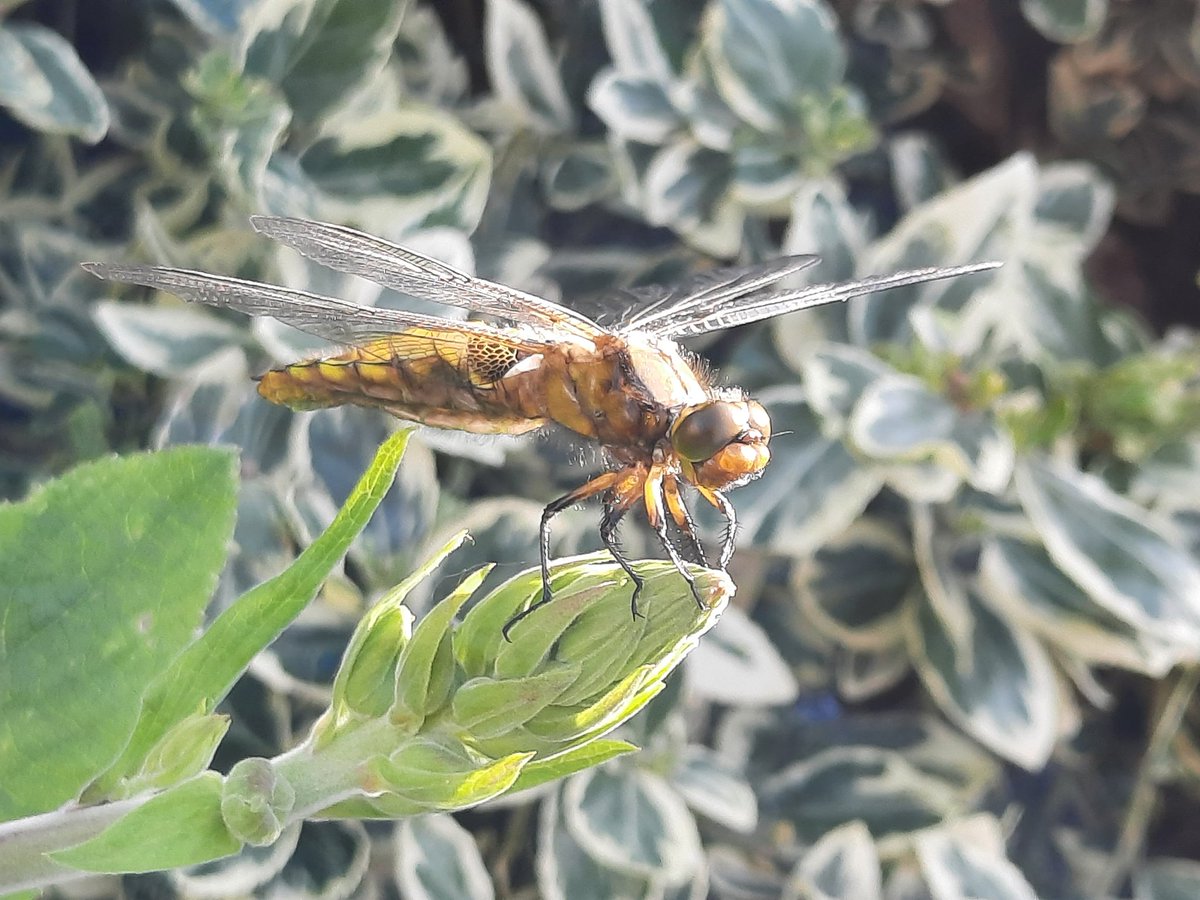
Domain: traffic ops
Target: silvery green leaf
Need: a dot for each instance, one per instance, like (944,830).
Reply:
(736,664)
(919,171)
(585,175)
(1165,878)
(846,783)
(633,41)
(398,168)
(978,218)
(320,52)
(899,418)
(735,876)
(1111,548)
(814,487)
(1066,21)
(566,871)
(173,341)
(712,123)
(438,859)
(835,378)
(765,177)
(970,861)
(767,54)
(330,862)
(637,109)
(1023,584)
(1169,478)
(854,588)
(925,481)
(999,686)
(44,84)
(824,223)
(631,821)
(522,70)
(714,788)
(862,675)
(842,865)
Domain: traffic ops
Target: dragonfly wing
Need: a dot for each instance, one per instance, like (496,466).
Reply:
(384,263)
(326,317)
(700,318)
(704,293)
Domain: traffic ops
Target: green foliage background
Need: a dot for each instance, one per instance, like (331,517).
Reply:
(968,620)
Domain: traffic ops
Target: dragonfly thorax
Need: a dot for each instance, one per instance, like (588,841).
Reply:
(721,443)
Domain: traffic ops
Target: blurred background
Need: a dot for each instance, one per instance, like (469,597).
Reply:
(964,651)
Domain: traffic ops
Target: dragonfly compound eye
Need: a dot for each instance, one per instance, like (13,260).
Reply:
(702,430)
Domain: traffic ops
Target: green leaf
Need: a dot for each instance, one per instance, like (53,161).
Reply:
(635,108)
(566,871)
(523,74)
(1167,879)
(104,575)
(439,776)
(842,865)
(542,771)
(632,822)
(738,665)
(320,52)
(488,707)
(179,827)
(1107,546)
(438,859)
(716,789)
(44,84)
(203,674)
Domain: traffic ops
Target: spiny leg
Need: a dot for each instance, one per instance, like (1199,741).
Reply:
(682,516)
(721,502)
(614,511)
(584,491)
(653,492)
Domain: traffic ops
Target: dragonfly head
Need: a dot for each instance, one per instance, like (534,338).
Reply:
(722,443)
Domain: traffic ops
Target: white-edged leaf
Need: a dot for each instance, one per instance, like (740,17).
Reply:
(171,341)
(960,863)
(1066,21)
(1021,582)
(919,171)
(715,789)
(842,865)
(861,675)
(240,874)
(438,859)
(1109,547)
(1167,879)
(684,184)
(812,490)
(633,42)
(999,686)
(637,109)
(765,177)
(397,168)
(835,376)
(766,55)
(899,418)
(584,175)
(522,70)
(1075,201)
(44,84)
(853,588)
(737,664)
(632,822)
(565,871)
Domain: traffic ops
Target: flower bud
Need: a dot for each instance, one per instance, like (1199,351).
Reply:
(256,802)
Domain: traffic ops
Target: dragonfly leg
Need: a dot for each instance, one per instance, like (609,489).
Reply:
(589,489)
(721,502)
(682,516)
(658,521)
(614,511)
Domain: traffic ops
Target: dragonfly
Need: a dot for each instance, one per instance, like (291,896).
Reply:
(527,363)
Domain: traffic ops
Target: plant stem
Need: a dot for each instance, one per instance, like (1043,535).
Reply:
(1145,788)
(24,843)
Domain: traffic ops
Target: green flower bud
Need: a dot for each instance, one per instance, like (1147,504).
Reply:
(256,802)
(184,751)
(366,682)
(485,707)
(442,774)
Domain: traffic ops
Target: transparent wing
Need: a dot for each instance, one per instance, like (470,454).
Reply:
(326,317)
(651,308)
(384,263)
(698,318)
